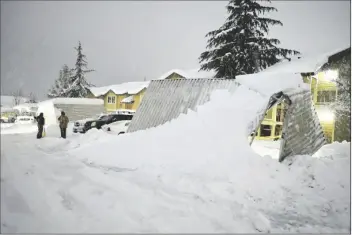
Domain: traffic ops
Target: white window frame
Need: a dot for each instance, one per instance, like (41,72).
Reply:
(111,99)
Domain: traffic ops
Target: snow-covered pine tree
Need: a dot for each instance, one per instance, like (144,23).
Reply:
(78,85)
(62,83)
(241,45)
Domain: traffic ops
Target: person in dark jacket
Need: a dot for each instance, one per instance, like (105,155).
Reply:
(63,120)
(41,122)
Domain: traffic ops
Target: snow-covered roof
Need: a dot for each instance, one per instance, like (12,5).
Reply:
(130,88)
(87,101)
(191,73)
(301,64)
(270,83)
(8,100)
(128,99)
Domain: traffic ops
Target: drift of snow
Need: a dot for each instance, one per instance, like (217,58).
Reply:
(191,175)
(51,113)
(270,83)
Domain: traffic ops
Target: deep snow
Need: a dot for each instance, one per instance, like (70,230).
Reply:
(187,175)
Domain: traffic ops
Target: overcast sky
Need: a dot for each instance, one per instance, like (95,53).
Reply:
(126,41)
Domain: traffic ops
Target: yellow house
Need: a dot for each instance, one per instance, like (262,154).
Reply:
(121,96)
(317,72)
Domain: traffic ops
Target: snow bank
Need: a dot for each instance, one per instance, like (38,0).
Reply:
(195,174)
(51,113)
(190,124)
(230,188)
(129,88)
(191,73)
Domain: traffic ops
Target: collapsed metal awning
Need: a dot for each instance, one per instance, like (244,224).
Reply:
(128,100)
(165,100)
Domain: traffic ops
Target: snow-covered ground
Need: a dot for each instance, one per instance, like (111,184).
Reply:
(13,128)
(187,175)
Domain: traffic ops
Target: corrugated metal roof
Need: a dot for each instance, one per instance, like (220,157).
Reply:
(167,99)
(302,132)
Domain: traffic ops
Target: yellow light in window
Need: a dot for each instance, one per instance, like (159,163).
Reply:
(331,75)
(326,115)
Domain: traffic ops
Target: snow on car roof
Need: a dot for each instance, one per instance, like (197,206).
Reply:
(130,88)
(191,73)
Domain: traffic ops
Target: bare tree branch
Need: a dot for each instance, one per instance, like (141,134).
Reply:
(17,96)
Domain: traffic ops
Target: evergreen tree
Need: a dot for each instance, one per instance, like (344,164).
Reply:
(78,85)
(62,83)
(241,45)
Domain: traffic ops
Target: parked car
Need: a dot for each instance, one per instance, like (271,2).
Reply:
(111,118)
(25,120)
(119,127)
(78,126)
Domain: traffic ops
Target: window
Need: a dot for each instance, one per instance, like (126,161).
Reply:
(265,130)
(111,99)
(278,130)
(326,96)
(280,113)
(129,106)
(328,136)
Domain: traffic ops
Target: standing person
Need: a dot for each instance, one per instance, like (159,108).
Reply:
(41,122)
(63,119)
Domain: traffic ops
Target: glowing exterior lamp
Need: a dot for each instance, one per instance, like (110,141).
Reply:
(331,75)
(326,116)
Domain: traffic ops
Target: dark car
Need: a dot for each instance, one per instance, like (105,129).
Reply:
(106,120)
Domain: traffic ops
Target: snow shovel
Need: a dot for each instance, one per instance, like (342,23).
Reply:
(44,133)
